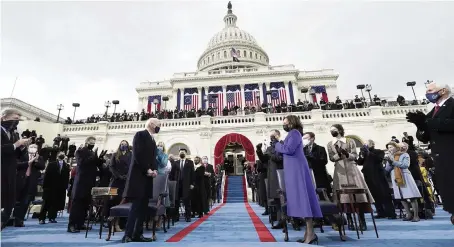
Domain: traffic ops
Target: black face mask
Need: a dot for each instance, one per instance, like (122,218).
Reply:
(90,146)
(156,129)
(334,133)
(61,157)
(273,139)
(182,156)
(286,128)
(10,124)
(371,148)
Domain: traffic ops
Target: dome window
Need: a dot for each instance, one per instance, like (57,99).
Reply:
(239,53)
(225,54)
(212,57)
(256,56)
(236,35)
(244,54)
(219,55)
(241,36)
(250,54)
(208,59)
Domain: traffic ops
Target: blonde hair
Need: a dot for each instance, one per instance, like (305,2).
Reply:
(161,143)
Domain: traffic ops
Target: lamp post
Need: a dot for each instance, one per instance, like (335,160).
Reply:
(427,82)
(115,103)
(107,104)
(412,84)
(165,99)
(75,105)
(361,87)
(59,108)
(368,89)
(304,91)
(155,102)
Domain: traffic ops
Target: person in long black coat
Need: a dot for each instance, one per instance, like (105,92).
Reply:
(10,151)
(56,180)
(210,182)
(199,201)
(29,167)
(437,127)
(139,183)
(374,174)
(88,164)
(183,170)
(119,167)
(317,159)
(262,175)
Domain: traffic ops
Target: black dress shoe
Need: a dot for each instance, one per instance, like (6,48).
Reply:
(73,229)
(188,219)
(126,239)
(19,224)
(42,222)
(141,238)
(265,213)
(52,221)
(278,226)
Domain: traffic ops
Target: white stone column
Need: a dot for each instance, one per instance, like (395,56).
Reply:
(224,93)
(243,102)
(199,90)
(268,88)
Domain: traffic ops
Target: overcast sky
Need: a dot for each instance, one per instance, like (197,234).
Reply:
(91,52)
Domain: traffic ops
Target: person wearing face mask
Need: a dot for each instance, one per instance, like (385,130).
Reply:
(404,186)
(437,129)
(88,167)
(317,158)
(342,151)
(273,161)
(29,167)
(164,164)
(139,183)
(56,179)
(199,201)
(302,201)
(210,182)
(119,167)
(184,173)
(371,159)
(10,145)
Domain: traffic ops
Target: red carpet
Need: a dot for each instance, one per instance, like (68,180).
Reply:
(183,233)
(262,231)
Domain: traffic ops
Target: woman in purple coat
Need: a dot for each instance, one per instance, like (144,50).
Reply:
(302,201)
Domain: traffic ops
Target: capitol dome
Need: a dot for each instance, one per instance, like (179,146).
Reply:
(218,54)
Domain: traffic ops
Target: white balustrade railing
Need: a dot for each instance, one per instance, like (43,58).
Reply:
(374,113)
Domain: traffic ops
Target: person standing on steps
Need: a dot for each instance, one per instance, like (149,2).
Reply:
(183,171)
(139,183)
(302,200)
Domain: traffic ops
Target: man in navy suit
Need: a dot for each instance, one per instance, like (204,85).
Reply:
(139,184)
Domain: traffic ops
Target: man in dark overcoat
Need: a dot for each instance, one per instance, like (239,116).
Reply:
(437,128)
(9,153)
(56,180)
(139,183)
(183,170)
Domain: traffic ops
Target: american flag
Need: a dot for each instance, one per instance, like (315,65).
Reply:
(191,99)
(234,99)
(278,93)
(251,91)
(216,103)
(235,54)
(151,106)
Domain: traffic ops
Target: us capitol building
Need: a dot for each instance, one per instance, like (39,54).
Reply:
(233,63)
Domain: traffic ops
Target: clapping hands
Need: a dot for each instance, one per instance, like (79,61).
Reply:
(418,118)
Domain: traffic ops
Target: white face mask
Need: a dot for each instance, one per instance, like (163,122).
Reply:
(32,150)
(204,161)
(306,142)
(160,148)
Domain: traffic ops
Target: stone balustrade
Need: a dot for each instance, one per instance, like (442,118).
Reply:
(371,114)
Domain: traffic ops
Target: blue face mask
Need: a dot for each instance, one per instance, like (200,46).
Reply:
(433,97)
(156,129)
(123,147)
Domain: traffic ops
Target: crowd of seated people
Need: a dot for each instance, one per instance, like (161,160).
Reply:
(283,107)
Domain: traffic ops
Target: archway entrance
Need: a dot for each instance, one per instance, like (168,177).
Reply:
(234,148)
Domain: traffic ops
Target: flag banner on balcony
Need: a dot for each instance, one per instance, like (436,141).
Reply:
(235,54)
(216,102)
(278,93)
(152,105)
(191,99)
(252,95)
(320,90)
(233,95)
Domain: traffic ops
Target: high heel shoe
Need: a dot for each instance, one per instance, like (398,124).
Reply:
(314,240)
